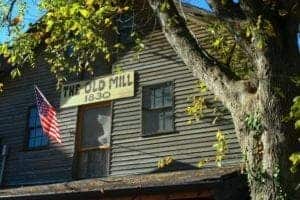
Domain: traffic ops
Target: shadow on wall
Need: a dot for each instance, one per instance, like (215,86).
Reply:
(175,166)
(38,167)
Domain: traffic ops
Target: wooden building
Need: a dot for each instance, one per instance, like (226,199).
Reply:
(111,148)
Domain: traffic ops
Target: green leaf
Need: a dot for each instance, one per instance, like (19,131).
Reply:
(1,87)
(201,163)
(260,43)
(297,124)
(217,42)
(74,8)
(15,73)
(49,25)
(295,159)
(164,6)
(84,12)
(89,3)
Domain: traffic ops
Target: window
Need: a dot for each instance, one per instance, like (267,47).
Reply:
(158,109)
(93,141)
(36,136)
(126,26)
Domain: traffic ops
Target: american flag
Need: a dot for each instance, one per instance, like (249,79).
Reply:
(47,115)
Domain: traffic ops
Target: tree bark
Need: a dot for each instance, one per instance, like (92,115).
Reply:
(263,148)
(256,109)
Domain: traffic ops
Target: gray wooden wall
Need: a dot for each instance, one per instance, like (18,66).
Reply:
(131,153)
(37,166)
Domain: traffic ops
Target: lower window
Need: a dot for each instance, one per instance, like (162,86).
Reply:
(158,109)
(93,141)
(36,136)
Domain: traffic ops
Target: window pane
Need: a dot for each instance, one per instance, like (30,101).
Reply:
(31,123)
(161,119)
(36,137)
(96,127)
(32,133)
(31,143)
(44,140)
(147,98)
(167,96)
(33,112)
(158,98)
(168,120)
(150,122)
(160,116)
(39,132)
(38,121)
(38,141)
(152,99)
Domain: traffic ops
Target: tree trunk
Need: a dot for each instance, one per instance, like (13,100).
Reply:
(261,133)
(256,108)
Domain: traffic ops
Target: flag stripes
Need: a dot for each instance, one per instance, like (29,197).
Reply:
(47,115)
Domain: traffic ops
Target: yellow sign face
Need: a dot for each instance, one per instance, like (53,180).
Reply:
(97,90)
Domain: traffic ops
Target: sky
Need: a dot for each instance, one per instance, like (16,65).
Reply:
(33,14)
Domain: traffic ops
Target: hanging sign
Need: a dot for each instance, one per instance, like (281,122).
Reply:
(97,90)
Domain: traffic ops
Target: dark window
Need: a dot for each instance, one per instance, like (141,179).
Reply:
(126,26)
(158,109)
(36,136)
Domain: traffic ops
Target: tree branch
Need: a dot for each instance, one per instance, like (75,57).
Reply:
(214,74)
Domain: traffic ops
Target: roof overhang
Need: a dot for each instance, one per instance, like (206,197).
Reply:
(126,185)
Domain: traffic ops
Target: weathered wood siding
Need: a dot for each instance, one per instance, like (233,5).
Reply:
(34,166)
(130,153)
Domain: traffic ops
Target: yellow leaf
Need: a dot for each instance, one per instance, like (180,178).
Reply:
(295,158)
(89,3)
(107,21)
(169,160)
(15,73)
(89,35)
(84,12)
(126,8)
(107,57)
(1,87)
(201,163)
(74,8)
(49,25)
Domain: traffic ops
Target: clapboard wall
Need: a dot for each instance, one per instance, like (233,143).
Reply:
(131,153)
(52,164)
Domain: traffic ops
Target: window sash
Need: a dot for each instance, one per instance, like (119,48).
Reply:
(151,113)
(35,136)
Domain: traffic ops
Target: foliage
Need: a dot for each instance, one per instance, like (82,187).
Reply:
(202,162)
(118,69)
(259,32)
(195,110)
(295,115)
(295,112)
(201,86)
(228,51)
(295,159)
(73,33)
(165,161)
(253,122)
(220,147)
